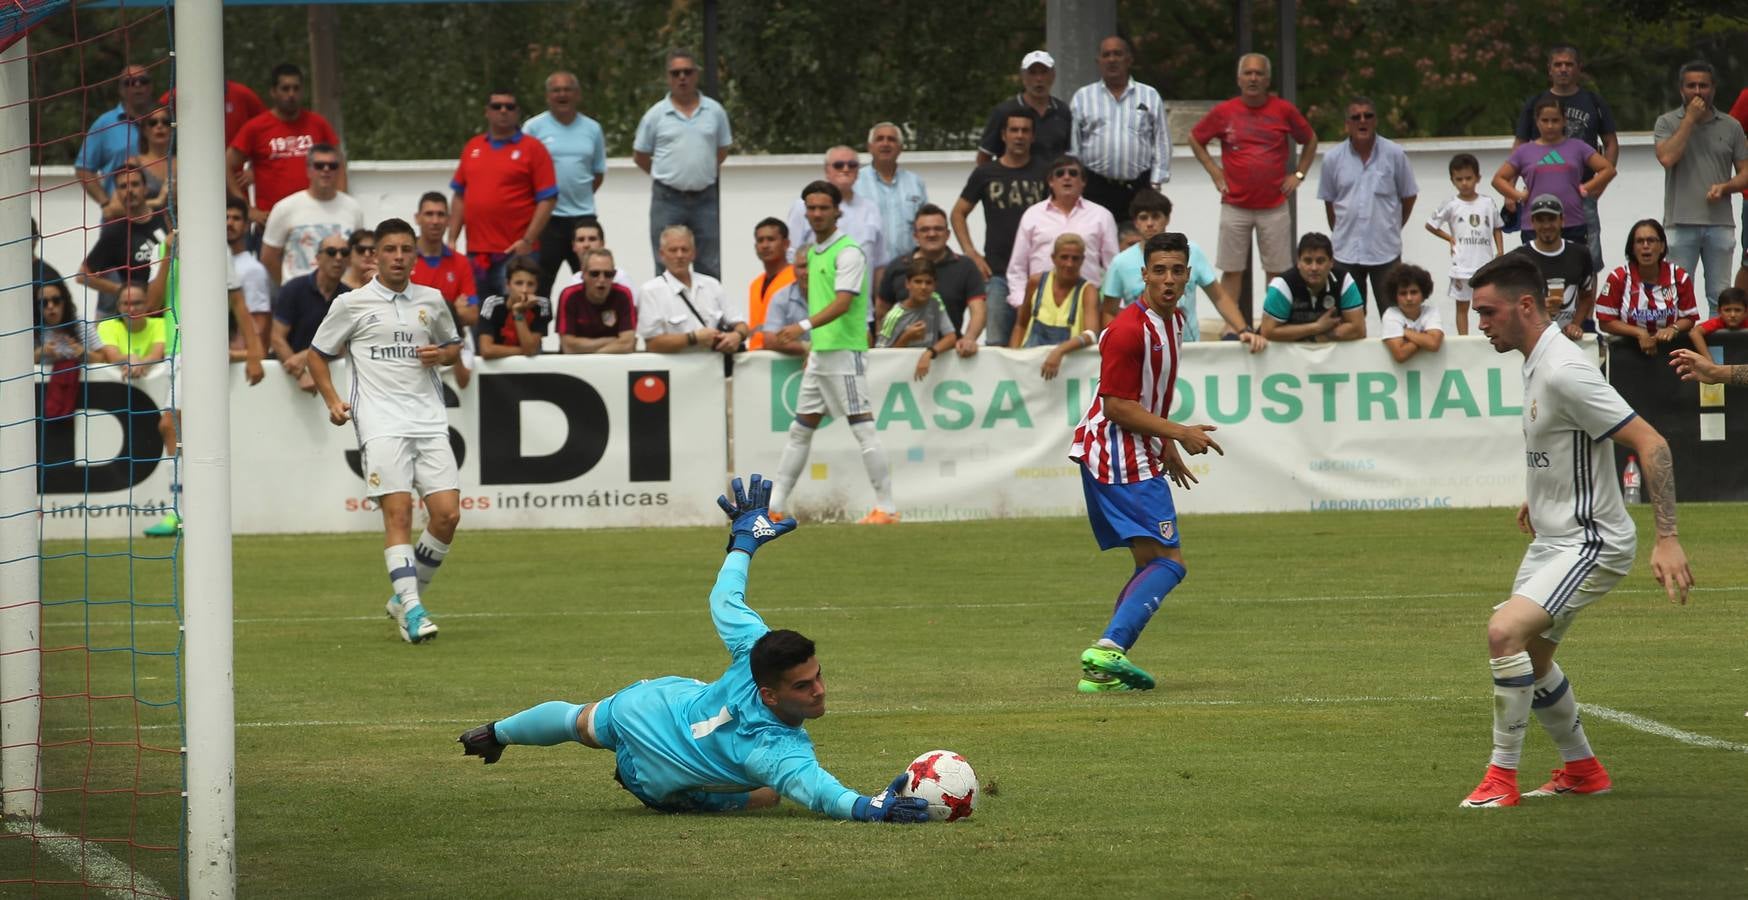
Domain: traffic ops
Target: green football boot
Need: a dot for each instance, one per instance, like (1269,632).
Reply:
(1099,682)
(1117,665)
(169,526)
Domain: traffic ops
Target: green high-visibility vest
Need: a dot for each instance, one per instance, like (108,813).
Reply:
(850,330)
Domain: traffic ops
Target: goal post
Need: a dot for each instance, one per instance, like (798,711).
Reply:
(209,715)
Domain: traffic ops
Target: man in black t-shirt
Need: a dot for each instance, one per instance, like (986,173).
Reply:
(126,246)
(1565,266)
(957,281)
(1588,119)
(1006,187)
(1052,123)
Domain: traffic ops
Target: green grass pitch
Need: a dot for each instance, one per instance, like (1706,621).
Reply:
(1323,706)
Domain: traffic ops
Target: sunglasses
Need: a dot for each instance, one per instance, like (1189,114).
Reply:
(136,81)
(682,73)
(157,123)
(325,166)
(846,165)
(1072,173)
(502,107)
(603,273)
(366,249)
(1362,117)
(336,251)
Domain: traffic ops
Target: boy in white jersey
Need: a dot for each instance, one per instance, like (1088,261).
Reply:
(1583,540)
(1470,223)
(396,334)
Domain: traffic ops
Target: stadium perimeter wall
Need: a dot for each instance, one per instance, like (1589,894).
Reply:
(644,439)
(757,186)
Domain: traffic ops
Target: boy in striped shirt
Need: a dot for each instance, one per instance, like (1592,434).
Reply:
(1125,444)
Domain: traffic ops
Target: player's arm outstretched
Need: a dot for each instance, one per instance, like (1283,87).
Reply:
(751,528)
(1696,367)
(1668,560)
(1131,416)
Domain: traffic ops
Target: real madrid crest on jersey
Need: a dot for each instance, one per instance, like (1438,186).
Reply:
(609,318)
(423,318)
(1532,409)
(1474,220)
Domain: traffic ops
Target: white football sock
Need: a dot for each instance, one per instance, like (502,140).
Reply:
(1513,686)
(874,460)
(402,573)
(789,468)
(1556,708)
(427,556)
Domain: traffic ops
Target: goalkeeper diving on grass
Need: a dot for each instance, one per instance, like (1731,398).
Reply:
(682,745)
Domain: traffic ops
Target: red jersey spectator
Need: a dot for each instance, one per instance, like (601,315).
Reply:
(1739,112)
(1732,312)
(275,143)
(1256,131)
(1650,299)
(441,268)
(241,105)
(505,191)
(596,315)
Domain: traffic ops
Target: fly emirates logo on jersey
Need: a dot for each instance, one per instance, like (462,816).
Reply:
(405,346)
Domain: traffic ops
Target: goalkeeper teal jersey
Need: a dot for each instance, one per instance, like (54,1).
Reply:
(679,735)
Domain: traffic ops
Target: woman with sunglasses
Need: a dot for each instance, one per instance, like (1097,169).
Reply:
(58,345)
(156,157)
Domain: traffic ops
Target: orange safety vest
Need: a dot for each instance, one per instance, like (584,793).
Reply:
(758,301)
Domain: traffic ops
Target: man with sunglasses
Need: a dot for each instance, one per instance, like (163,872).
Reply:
(1368,192)
(275,144)
(114,136)
(858,214)
(597,314)
(299,223)
(1066,212)
(505,190)
(681,143)
(302,304)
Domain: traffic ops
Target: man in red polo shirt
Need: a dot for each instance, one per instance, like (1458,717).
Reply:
(505,190)
(438,266)
(1256,130)
(275,143)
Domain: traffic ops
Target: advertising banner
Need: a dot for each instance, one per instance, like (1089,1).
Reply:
(542,442)
(1304,427)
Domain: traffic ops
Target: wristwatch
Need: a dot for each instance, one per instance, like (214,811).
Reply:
(1298,174)
(933,352)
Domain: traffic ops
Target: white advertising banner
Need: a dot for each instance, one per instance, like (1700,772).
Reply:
(542,442)
(1304,427)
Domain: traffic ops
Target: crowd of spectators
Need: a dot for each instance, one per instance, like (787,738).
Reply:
(1067,191)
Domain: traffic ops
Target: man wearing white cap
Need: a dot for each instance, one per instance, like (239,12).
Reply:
(1052,122)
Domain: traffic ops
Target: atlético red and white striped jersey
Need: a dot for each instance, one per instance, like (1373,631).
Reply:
(1138,361)
(1628,298)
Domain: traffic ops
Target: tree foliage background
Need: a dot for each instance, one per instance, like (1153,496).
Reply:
(799,76)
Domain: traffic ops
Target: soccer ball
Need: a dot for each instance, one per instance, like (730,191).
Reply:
(945,780)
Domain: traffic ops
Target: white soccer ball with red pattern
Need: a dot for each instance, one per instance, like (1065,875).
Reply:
(945,780)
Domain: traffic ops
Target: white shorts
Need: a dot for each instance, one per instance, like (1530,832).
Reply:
(842,395)
(398,465)
(1460,290)
(1564,580)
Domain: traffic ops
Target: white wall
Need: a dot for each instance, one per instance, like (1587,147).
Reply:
(758,186)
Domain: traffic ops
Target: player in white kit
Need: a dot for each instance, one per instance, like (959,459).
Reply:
(396,334)
(1583,540)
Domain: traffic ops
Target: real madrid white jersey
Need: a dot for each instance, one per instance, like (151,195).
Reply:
(1569,413)
(381,331)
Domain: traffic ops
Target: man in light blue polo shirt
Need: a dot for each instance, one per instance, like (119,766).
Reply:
(113,137)
(681,143)
(1368,192)
(899,193)
(579,159)
(1151,213)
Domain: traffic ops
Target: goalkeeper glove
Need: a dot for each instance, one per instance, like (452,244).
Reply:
(888,806)
(749,511)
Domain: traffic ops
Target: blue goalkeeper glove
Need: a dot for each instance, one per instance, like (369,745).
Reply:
(888,806)
(750,513)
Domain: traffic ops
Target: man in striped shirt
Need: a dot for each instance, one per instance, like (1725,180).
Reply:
(1125,447)
(1119,131)
(1582,540)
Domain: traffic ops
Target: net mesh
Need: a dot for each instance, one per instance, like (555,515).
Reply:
(108,730)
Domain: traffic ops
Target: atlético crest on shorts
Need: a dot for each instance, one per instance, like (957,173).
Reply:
(1167,530)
